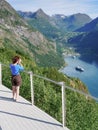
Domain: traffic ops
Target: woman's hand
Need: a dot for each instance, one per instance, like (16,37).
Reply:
(19,62)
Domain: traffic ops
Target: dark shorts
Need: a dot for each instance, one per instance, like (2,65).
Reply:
(16,80)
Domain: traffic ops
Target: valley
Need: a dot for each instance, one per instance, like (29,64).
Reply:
(78,31)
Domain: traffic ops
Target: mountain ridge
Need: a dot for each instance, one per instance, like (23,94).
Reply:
(69,23)
(39,13)
(87,45)
(58,27)
(93,25)
(73,21)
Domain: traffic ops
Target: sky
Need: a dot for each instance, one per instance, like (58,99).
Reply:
(51,7)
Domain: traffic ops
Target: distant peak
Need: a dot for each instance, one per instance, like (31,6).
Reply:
(81,15)
(41,13)
(40,10)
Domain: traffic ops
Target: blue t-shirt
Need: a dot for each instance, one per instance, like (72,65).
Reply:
(15,69)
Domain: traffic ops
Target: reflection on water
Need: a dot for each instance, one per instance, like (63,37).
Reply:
(89,76)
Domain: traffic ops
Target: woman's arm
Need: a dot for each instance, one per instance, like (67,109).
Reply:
(21,68)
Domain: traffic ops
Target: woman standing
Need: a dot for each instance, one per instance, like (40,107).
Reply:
(16,67)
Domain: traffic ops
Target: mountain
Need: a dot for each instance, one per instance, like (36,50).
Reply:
(38,14)
(67,23)
(18,36)
(72,22)
(87,45)
(57,27)
(41,22)
(93,25)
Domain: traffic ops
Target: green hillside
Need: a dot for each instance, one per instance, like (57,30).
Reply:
(17,35)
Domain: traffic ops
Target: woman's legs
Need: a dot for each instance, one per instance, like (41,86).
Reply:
(15,91)
(16,82)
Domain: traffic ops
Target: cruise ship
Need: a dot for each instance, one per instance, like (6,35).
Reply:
(78,68)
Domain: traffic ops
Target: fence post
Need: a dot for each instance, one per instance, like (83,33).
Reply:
(0,74)
(63,104)
(32,89)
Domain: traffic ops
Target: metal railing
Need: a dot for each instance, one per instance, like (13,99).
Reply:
(62,90)
(0,74)
(61,84)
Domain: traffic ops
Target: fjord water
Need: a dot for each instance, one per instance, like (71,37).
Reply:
(89,76)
